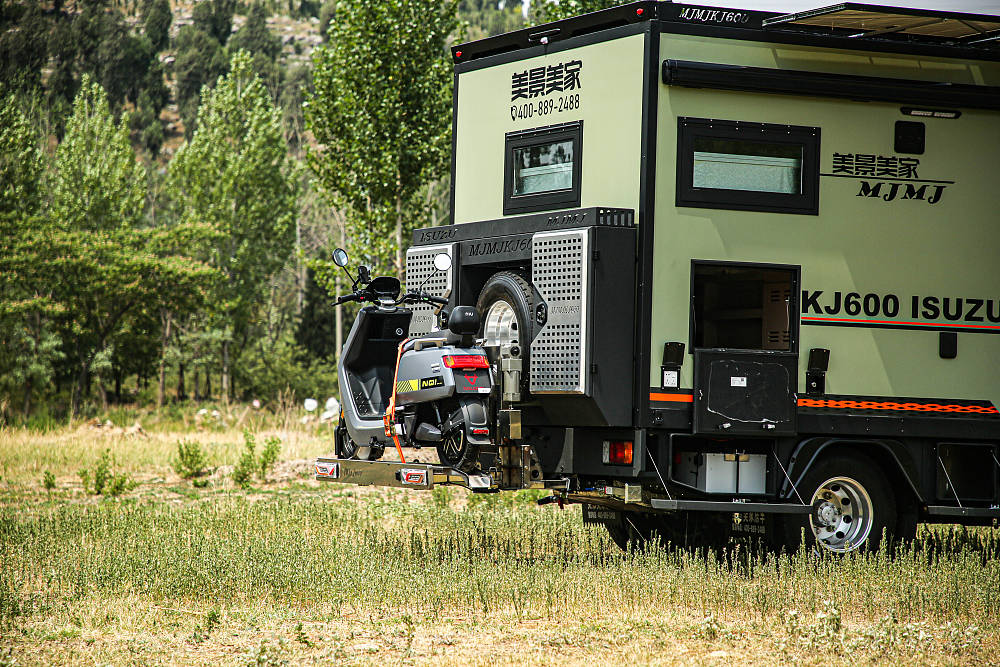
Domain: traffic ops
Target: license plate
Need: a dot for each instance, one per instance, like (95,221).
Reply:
(472,381)
(598,514)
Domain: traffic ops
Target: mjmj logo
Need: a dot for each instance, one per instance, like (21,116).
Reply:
(888,177)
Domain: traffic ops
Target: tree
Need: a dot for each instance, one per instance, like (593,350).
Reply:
(545,11)
(28,345)
(215,17)
(23,45)
(380,114)
(21,162)
(201,60)
(157,17)
(236,176)
(255,37)
(105,265)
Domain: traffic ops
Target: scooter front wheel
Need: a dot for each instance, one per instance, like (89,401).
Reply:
(348,449)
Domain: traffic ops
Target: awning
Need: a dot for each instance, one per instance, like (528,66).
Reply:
(868,22)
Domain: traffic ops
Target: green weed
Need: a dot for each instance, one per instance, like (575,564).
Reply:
(190,461)
(103,481)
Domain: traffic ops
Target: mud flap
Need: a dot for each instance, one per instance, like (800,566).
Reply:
(474,415)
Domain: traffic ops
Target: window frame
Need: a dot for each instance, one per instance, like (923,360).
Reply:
(804,203)
(553,199)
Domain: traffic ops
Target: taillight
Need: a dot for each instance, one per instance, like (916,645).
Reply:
(618,452)
(466,361)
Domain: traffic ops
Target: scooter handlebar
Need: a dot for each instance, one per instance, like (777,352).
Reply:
(345,299)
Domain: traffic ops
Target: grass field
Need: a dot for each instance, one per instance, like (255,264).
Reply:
(293,571)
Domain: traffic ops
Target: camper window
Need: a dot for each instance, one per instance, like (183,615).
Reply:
(747,166)
(542,168)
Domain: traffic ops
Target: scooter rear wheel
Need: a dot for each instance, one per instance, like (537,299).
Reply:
(455,450)
(348,449)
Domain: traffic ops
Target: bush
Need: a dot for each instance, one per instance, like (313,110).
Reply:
(249,463)
(190,461)
(48,481)
(243,470)
(105,481)
(268,457)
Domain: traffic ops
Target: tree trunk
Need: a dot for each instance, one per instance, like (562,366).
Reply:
(118,386)
(102,393)
(399,231)
(338,313)
(181,394)
(300,269)
(27,397)
(78,387)
(166,319)
(208,385)
(197,394)
(225,372)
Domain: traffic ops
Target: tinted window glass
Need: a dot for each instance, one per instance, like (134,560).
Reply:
(543,168)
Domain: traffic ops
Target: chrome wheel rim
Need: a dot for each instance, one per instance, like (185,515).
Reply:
(500,325)
(842,515)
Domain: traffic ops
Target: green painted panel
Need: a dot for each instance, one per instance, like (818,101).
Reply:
(906,243)
(608,100)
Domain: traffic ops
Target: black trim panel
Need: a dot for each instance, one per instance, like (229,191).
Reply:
(820,84)
(527,224)
(738,508)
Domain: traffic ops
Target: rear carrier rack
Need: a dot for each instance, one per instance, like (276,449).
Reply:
(401,475)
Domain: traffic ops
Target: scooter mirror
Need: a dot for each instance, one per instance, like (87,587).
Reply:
(340,257)
(442,261)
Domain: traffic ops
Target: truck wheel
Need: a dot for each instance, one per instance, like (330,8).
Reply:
(345,448)
(456,451)
(506,305)
(852,505)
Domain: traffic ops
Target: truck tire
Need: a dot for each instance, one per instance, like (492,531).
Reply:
(684,529)
(853,504)
(506,306)
(345,448)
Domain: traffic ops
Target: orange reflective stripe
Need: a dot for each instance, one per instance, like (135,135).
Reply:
(674,398)
(892,405)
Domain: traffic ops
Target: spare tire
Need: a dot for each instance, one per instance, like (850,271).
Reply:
(506,305)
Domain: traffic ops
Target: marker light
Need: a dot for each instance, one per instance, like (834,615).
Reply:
(639,11)
(618,452)
(466,361)
(931,113)
(458,54)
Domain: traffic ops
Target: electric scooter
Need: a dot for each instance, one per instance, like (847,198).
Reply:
(429,391)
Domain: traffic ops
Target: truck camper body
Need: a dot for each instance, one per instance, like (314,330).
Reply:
(721,253)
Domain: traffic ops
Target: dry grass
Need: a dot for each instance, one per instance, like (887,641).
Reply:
(299,571)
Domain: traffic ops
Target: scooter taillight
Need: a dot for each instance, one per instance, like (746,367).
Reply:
(466,361)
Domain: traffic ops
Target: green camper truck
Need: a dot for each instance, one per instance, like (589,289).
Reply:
(737,270)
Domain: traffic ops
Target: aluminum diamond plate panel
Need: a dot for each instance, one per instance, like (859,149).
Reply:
(420,265)
(559,352)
